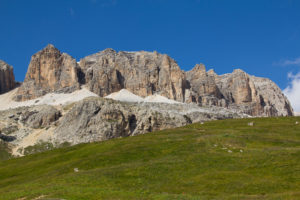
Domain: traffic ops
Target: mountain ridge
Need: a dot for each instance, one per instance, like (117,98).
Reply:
(147,73)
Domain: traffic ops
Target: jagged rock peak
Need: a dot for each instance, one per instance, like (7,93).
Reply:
(108,51)
(203,89)
(128,54)
(49,71)
(198,72)
(235,71)
(7,78)
(4,65)
(199,67)
(211,72)
(50,46)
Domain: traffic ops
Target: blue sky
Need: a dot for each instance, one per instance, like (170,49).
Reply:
(261,37)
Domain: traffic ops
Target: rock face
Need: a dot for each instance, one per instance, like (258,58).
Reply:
(98,119)
(273,101)
(7,78)
(49,71)
(147,73)
(203,88)
(254,96)
(40,116)
(237,90)
(143,73)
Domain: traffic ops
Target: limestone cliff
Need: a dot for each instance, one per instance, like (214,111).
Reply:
(143,73)
(49,71)
(273,101)
(202,87)
(147,73)
(7,78)
(237,90)
(253,95)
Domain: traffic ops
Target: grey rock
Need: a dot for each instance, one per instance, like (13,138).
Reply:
(40,116)
(98,119)
(10,129)
(7,138)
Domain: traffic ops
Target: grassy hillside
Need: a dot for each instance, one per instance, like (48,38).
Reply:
(217,160)
(4,151)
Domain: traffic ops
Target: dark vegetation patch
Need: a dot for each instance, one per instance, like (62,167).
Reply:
(4,151)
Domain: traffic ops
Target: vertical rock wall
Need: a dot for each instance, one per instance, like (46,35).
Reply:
(7,78)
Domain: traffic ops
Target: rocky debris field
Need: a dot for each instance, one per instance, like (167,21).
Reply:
(97,119)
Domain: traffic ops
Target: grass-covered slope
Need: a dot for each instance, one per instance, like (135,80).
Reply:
(217,160)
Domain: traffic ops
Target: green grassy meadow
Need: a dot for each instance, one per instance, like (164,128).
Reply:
(224,159)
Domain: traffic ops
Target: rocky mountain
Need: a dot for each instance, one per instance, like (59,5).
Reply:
(147,73)
(153,93)
(49,70)
(7,78)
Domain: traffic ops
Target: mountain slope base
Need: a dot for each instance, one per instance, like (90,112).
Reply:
(225,159)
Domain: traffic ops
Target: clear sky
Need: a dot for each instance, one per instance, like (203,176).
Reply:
(262,37)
